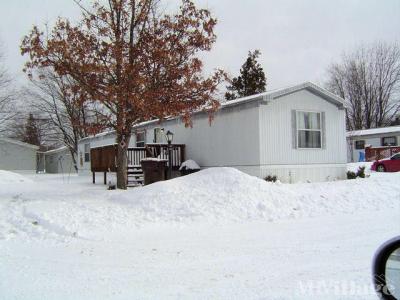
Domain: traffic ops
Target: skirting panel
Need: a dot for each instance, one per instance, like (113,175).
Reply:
(305,173)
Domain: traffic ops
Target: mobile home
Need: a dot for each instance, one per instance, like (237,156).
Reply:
(296,133)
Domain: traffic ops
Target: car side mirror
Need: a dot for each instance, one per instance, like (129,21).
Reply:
(386,270)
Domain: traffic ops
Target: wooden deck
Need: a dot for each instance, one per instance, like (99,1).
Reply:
(376,153)
(104,159)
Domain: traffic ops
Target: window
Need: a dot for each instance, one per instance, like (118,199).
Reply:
(157,135)
(396,156)
(309,133)
(389,141)
(87,152)
(358,145)
(140,139)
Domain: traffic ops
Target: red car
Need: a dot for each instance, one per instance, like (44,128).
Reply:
(391,164)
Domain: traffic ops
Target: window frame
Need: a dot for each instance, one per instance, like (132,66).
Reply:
(388,137)
(355,145)
(86,153)
(155,141)
(140,141)
(316,130)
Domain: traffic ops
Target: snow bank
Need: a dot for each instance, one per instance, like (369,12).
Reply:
(7,177)
(51,207)
(226,194)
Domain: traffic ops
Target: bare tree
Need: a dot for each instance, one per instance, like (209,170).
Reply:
(369,80)
(66,117)
(7,94)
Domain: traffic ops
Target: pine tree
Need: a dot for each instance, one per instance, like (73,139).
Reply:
(251,80)
(31,134)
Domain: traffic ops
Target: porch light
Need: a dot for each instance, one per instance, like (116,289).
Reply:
(170,136)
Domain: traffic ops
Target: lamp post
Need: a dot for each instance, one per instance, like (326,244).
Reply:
(169,136)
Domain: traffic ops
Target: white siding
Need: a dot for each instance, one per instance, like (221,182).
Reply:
(16,157)
(230,140)
(305,173)
(276,140)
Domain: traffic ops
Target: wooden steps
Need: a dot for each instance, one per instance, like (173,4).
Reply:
(135,176)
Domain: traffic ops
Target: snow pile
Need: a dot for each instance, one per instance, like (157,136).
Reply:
(57,208)
(226,194)
(189,165)
(7,177)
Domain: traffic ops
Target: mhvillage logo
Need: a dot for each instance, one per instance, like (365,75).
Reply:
(342,288)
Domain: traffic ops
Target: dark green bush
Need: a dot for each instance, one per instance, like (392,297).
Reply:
(270,178)
(351,175)
(361,172)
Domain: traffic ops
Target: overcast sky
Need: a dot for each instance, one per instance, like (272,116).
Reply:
(297,39)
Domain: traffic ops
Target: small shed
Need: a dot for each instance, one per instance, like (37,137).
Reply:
(16,155)
(58,161)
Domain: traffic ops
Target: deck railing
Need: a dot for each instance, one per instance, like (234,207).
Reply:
(103,159)
(376,153)
(135,155)
(161,151)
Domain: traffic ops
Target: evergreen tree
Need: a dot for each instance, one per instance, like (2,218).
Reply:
(31,135)
(251,80)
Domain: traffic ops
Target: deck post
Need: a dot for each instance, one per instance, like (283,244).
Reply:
(94,177)
(105,177)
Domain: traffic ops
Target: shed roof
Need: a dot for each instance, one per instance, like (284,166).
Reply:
(373,131)
(19,143)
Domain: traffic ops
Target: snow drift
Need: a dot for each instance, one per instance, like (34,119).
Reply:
(226,194)
(7,177)
(50,207)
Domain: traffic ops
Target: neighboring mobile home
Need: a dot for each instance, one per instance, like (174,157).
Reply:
(358,140)
(296,133)
(16,155)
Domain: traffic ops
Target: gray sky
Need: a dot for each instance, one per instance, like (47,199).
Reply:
(298,39)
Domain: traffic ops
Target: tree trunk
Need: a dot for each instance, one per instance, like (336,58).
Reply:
(122,160)
(74,155)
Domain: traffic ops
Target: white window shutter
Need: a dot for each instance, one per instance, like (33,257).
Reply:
(294,130)
(323,130)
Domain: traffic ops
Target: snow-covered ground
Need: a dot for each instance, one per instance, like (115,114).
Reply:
(214,234)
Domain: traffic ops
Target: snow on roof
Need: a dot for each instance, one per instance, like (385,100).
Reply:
(266,96)
(19,143)
(382,130)
(55,150)
(277,93)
